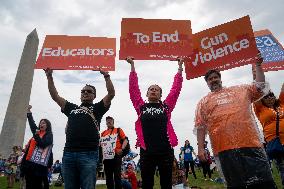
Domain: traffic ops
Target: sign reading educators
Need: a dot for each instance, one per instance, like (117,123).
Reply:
(271,50)
(77,53)
(155,39)
(222,47)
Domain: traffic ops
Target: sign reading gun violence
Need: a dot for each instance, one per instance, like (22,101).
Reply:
(271,50)
(155,39)
(77,53)
(222,47)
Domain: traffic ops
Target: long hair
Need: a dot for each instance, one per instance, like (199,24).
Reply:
(186,145)
(48,125)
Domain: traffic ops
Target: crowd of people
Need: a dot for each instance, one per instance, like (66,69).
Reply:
(225,114)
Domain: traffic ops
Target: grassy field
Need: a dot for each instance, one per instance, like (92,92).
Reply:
(192,182)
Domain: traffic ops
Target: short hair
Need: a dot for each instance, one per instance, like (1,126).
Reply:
(93,87)
(109,117)
(209,72)
(275,105)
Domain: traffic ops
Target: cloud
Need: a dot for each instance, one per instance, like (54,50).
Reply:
(99,18)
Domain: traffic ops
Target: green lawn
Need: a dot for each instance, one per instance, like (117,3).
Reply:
(192,182)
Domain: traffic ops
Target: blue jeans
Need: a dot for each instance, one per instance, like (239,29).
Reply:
(280,167)
(125,184)
(79,169)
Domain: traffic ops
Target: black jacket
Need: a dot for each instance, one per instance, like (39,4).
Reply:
(46,140)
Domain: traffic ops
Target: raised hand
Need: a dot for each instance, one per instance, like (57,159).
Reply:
(48,72)
(259,59)
(104,73)
(130,59)
(180,63)
(29,109)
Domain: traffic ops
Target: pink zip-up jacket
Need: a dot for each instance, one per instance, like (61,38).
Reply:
(170,101)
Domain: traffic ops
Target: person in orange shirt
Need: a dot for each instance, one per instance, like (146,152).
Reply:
(113,141)
(225,113)
(266,110)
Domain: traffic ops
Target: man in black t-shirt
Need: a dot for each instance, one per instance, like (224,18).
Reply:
(82,133)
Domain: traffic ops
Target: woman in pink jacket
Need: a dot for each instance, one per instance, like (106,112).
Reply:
(155,135)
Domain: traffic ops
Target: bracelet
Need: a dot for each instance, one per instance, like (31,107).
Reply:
(106,76)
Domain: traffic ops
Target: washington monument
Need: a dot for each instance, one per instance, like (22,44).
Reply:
(14,125)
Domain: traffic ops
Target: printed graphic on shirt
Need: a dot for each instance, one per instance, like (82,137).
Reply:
(224,98)
(187,150)
(87,111)
(153,111)
(108,144)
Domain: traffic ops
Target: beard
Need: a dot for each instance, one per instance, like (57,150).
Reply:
(215,85)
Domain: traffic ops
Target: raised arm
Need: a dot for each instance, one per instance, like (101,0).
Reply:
(172,97)
(134,91)
(110,89)
(259,74)
(31,120)
(52,90)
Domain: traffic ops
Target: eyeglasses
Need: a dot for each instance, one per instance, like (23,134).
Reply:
(86,90)
(270,95)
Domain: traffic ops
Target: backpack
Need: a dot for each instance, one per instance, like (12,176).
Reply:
(126,150)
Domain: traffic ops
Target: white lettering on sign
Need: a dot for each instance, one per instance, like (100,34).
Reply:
(108,144)
(77,52)
(209,43)
(264,41)
(157,37)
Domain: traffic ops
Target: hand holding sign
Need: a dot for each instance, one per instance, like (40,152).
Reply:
(48,72)
(130,60)
(29,109)
(180,63)
(259,59)
(104,73)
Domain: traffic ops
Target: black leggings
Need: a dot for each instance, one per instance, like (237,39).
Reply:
(148,167)
(206,169)
(186,166)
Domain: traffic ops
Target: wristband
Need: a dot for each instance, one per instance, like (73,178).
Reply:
(106,76)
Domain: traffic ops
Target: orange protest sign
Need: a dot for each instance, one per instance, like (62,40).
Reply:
(271,50)
(222,47)
(155,39)
(77,53)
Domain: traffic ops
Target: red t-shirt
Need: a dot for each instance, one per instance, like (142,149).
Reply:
(132,179)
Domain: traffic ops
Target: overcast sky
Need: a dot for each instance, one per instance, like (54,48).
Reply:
(102,19)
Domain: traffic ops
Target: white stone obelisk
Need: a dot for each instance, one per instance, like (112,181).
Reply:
(14,125)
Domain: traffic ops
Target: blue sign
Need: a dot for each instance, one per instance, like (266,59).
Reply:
(269,48)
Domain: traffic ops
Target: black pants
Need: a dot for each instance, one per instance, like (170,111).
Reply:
(35,182)
(206,169)
(112,169)
(246,168)
(148,166)
(186,166)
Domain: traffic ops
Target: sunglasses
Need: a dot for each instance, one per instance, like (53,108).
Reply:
(86,90)
(269,95)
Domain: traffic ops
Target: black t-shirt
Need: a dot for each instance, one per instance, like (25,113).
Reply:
(82,133)
(154,125)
